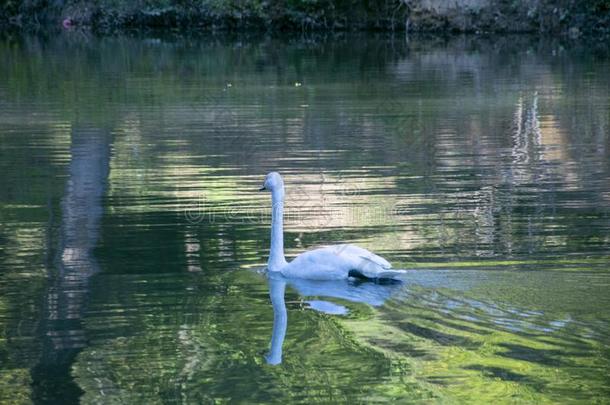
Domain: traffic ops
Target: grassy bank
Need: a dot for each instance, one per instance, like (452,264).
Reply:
(573,17)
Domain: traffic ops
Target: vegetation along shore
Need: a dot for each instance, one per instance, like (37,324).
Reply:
(569,17)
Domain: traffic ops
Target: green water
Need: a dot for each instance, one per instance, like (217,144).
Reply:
(132,237)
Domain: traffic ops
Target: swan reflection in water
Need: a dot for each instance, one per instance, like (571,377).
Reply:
(350,290)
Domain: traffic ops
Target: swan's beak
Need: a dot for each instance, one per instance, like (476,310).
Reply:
(262,188)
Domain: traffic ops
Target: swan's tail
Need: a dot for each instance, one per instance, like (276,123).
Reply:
(370,266)
(391,274)
(385,274)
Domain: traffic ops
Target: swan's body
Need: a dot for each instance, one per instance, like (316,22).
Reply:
(328,263)
(338,262)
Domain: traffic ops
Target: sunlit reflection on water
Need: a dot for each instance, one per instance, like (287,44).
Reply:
(132,236)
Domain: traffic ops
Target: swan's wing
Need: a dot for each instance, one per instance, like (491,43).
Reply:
(318,264)
(364,263)
(377,260)
(338,262)
(358,253)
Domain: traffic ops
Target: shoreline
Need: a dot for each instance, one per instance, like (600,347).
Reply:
(412,16)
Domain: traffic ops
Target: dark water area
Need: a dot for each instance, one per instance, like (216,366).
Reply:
(133,239)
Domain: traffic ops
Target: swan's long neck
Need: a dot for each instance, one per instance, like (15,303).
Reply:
(276,256)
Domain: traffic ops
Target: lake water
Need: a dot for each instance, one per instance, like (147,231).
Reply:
(133,238)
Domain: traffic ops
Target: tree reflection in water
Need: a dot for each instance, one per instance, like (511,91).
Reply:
(62,328)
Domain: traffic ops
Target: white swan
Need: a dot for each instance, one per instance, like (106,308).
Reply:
(328,263)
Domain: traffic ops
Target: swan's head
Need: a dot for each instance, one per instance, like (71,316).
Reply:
(273,181)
